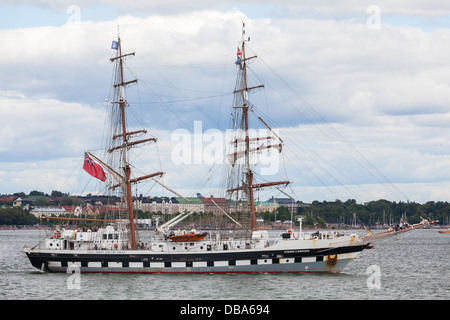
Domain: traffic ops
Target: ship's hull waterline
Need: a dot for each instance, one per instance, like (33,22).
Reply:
(320,260)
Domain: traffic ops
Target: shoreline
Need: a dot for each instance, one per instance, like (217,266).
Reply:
(37,227)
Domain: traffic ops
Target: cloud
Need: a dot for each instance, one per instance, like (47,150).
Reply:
(43,175)
(362,160)
(37,128)
(385,90)
(321,8)
(388,71)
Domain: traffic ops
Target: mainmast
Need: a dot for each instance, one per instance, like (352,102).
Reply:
(125,181)
(243,90)
(249,173)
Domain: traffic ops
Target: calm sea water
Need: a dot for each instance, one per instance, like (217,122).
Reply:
(416,265)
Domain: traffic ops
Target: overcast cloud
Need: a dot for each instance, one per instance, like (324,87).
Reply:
(368,101)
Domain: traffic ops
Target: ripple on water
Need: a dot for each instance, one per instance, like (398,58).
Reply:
(414,267)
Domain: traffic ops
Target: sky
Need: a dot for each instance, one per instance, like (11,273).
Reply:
(359,89)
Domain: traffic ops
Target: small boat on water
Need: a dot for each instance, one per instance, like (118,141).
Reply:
(444,231)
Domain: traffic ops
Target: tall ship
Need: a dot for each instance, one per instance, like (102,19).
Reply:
(115,248)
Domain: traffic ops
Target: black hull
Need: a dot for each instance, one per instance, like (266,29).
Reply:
(249,261)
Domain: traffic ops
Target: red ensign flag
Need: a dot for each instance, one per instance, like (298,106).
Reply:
(93,168)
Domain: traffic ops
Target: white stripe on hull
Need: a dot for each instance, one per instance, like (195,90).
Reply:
(308,264)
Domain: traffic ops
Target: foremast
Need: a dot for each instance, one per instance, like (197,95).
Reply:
(122,136)
(241,101)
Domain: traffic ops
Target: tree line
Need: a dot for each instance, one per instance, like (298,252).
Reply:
(377,212)
(17,216)
(316,213)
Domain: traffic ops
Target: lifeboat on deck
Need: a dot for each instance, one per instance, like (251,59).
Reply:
(187,237)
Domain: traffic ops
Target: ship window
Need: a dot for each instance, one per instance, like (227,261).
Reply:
(105,237)
(173,248)
(110,236)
